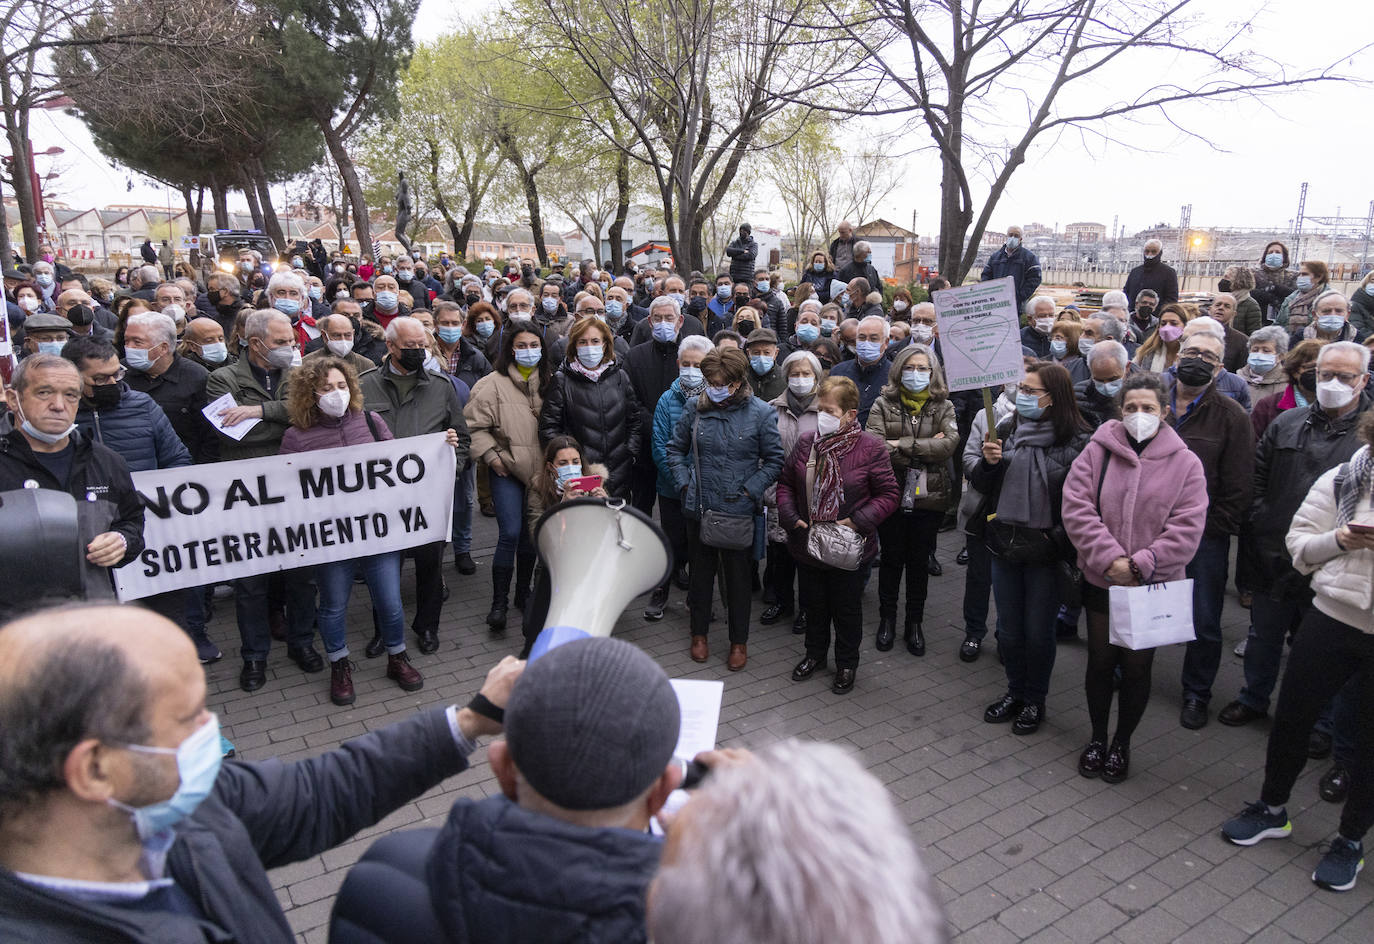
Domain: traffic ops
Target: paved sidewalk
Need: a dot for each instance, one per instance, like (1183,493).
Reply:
(1023,849)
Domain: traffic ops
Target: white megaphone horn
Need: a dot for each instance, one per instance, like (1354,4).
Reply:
(600,555)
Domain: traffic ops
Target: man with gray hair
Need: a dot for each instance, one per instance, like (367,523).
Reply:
(1015,260)
(1226,382)
(842,246)
(870,365)
(175,383)
(1108,364)
(1153,274)
(1040,318)
(811,829)
(1223,309)
(563,851)
(286,292)
(861,267)
(143,281)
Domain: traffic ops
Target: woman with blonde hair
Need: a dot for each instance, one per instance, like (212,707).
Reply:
(1160,350)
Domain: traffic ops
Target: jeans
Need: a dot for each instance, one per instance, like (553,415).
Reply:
(907,540)
(1207,570)
(1271,621)
(383,575)
(1327,656)
(836,597)
(736,567)
(508,497)
(250,608)
(1027,602)
(464,497)
(977,586)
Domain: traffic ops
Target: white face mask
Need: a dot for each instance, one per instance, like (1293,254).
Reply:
(28,303)
(1043,325)
(1141,426)
(826,423)
(801,386)
(921,333)
(339,348)
(335,403)
(1333,394)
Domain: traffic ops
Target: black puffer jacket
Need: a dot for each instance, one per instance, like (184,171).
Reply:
(1058,458)
(743,253)
(604,416)
(652,367)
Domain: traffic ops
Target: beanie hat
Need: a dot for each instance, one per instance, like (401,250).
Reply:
(592,723)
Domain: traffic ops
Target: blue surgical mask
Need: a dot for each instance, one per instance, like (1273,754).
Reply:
(1262,363)
(1303,283)
(828,326)
(1331,323)
(916,380)
(387,301)
(567,473)
(528,356)
(1059,347)
(289,306)
(450,334)
(386,269)
(215,353)
(1108,388)
(868,351)
(43,279)
(808,332)
(760,364)
(316,292)
(761,286)
(614,310)
(1369,289)
(1029,406)
(691,379)
(51,347)
(818,267)
(549,304)
(718,394)
(665,331)
(1273,260)
(679,298)
(1013,242)
(137,359)
(484,328)
(590,356)
(1085,346)
(722,292)
(405,275)
(198,764)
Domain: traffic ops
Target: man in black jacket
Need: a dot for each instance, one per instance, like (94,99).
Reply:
(175,383)
(1153,274)
(861,268)
(743,250)
(1015,260)
(652,367)
(118,819)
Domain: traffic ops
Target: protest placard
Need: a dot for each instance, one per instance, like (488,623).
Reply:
(980,334)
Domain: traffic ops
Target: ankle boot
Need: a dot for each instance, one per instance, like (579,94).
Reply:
(887,632)
(524,570)
(914,638)
(500,588)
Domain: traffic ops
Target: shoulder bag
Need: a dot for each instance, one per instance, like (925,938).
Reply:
(724,532)
(829,542)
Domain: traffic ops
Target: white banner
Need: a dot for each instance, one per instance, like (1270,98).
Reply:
(209,523)
(980,334)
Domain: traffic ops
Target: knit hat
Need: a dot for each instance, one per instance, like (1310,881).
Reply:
(591,724)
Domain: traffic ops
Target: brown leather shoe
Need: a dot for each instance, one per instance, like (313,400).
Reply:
(700,652)
(341,682)
(739,655)
(399,669)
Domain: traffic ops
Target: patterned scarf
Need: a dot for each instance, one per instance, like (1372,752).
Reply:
(1358,481)
(591,373)
(829,491)
(1300,308)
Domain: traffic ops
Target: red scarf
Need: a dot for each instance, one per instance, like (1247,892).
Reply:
(829,490)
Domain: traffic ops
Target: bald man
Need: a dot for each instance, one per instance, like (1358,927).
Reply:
(120,821)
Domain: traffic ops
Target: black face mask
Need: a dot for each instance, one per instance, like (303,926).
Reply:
(1224,285)
(105,396)
(1145,312)
(472,298)
(80,315)
(1194,371)
(1151,263)
(741,299)
(1308,379)
(695,305)
(745,327)
(412,359)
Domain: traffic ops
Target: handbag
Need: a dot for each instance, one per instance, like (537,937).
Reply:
(916,487)
(724,532)
(1156,614)
(829,542)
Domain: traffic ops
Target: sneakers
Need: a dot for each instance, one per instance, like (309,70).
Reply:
(1254,823)
(654,611)
(206,651)
(1338,868)
(1239,651)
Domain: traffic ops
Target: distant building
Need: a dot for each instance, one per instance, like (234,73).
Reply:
(1085,233)
(893,247)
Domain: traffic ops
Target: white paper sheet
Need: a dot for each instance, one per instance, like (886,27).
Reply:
(226,402)
(699,701)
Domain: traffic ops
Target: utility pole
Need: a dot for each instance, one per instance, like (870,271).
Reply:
(1368,225)
(1297,224)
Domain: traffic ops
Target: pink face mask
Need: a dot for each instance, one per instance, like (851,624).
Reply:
(1170,332)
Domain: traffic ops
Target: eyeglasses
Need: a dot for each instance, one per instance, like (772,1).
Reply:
(1325,376)
(1031,391)
(1207,356)
(104,380)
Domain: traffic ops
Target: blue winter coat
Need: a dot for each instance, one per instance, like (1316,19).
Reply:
(666,415)
(740,456)
(137,430)
(1022,266)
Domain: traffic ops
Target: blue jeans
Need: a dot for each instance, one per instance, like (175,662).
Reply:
(977,586)
(1027,603)
(383,575)
(508,498)
(464,496)
(250,609)
(1207,570)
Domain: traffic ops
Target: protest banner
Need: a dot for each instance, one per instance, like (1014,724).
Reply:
(980,338)
(210,523)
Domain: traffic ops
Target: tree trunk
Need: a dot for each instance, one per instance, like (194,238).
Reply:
(194,213)
(615,234)
(269,212)
(362,221)
(536,221)
(250,193)
(219,199)
(460,241)
(6,250)
(21,179)
(440,203)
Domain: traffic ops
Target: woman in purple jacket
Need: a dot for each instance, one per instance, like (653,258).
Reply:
(325,405)
(1135,503)
(854,486)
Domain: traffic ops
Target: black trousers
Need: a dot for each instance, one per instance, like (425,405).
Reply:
(1326,654)
(834,597)
(674,524)
(736,567)
(429,585)
(643,486)
(907,540)
(779,574)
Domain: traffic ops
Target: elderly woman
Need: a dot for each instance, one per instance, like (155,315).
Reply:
(839,473)
(325,405)
(1064,338)
(1160,350)
(914,417)
(482,328)
(1331,538)
(798,407)
(1330,320)
(1263,369)
(1238,281)
(1135,503)
(1311,283)
(807,330)
(724,454)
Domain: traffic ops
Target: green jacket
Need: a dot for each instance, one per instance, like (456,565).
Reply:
(264,439)
(431,406)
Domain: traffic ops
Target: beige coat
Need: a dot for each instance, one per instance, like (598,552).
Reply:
(503,417)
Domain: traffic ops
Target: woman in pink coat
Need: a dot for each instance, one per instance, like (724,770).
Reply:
(1135,503)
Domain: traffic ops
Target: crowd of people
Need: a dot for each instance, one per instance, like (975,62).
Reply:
(793,440)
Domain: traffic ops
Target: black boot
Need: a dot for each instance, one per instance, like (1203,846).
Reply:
(524,570)
(914,638)
(887,633)
(500,588)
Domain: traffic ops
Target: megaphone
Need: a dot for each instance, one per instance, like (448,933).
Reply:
(42,556)
(600,555)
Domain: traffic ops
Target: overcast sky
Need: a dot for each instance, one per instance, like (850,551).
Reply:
(1249,174)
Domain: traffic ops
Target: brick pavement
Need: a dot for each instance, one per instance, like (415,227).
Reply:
(1022,848)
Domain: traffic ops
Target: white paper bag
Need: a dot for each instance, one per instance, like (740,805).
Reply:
(1157,614)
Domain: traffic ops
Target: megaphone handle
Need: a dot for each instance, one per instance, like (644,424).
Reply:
(618,505)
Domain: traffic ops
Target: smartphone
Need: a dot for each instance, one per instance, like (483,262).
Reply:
(1361,528)
(585,483)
